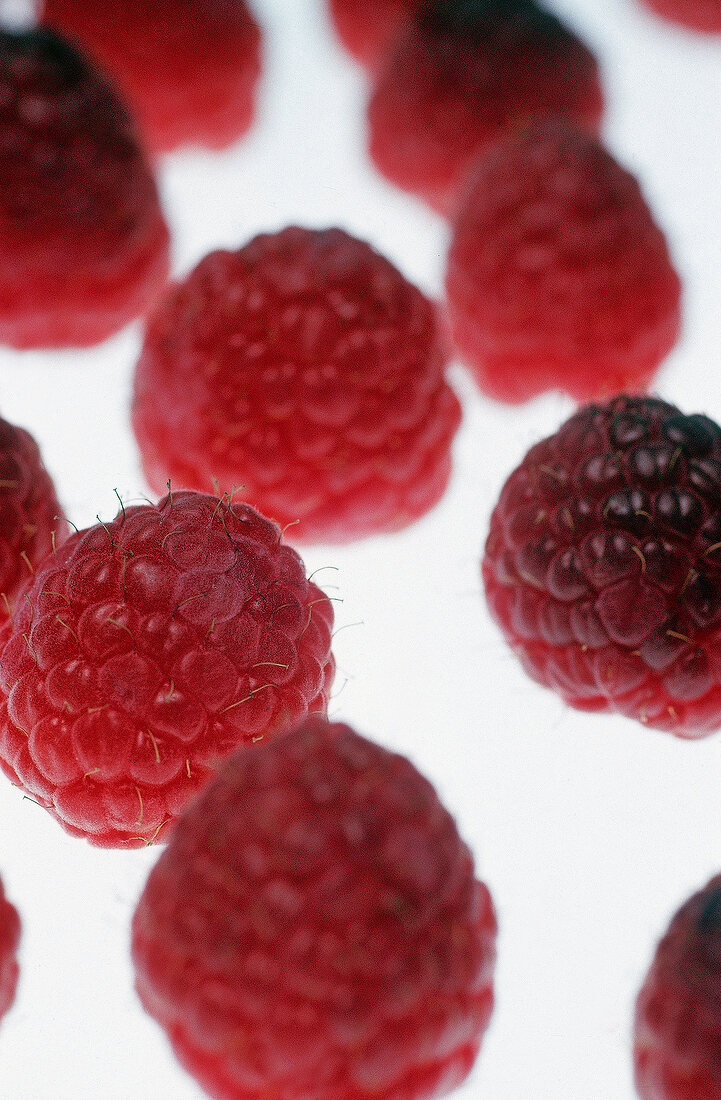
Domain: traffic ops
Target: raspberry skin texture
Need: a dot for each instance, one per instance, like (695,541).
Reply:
(85,247)
(462,74)
(189,69)
(558,277)
(31,520)
(677,1031)
(367,30)
(696,15)
(148,649)
(602,565)
(305,368)
(9,943)
(314,930)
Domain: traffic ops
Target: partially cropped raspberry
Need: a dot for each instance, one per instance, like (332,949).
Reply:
(9,942)
(678,1011)
(367,30)
(461,75)
(31,522)
(307,370)
(603,564)
(314,929)
(558,276)
(188,68)
(697,15)
(84,242)
(148,649)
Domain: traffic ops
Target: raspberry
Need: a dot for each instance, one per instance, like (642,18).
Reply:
(188,68)
(558,276)
(462,74)
(602,565)
(678,1012)
(313,930)
(9,942)
(367,30)
(306,369)
(31,522)
(149,648)
(697,15)
(85,246)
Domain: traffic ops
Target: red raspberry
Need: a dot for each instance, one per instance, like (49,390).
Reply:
(9,942)
(188,68)
(678,1012)
(306,369)
(149,648)
(31,522)
(697,15)
(367,30)
(85,246)
(465,72)
(602,566)
(314,931)
(558,276)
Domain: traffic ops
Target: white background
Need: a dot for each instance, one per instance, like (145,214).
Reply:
(590,831)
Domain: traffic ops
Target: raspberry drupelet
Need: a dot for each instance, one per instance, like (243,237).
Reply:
(603,564)
(31,520)
(305,368)
(367,30)
(85,247)
(147,649)
(463,73)
(9,943)
(696,15)
(558,276)
(678,1011)
(314,929)
(189,69)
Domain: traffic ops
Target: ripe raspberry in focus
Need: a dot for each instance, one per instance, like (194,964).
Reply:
(31,521)
(558,277)
(314,929)
(305,368)
(367,30)
(465,72)
(9,942)
(603,564)
(188,68)
(148,649)
(678,1011)
(84,243)
(697,15)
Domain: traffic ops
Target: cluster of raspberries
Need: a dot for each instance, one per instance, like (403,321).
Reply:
(315,927)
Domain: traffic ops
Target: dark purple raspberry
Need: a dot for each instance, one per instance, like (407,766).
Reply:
(678,1012)
(603,564)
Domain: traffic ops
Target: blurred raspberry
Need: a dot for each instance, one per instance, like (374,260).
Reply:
(697,15)
(558,277)
(678,1012)
(84,243)
(367,30)
(188,68)
(31,521)
(9,942)
(149,648)
(305,368)
(464,73)
(314,929)
(603,564)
